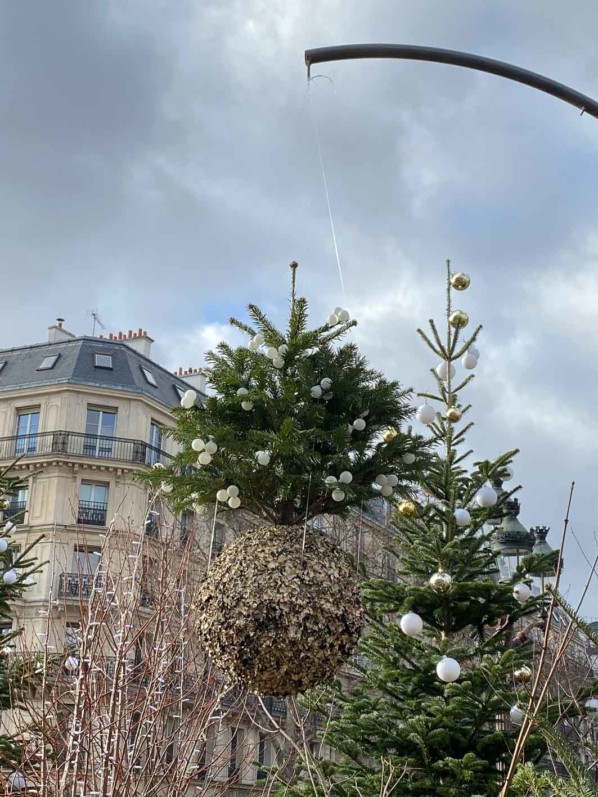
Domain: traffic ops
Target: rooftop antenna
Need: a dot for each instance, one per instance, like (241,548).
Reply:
(96,320)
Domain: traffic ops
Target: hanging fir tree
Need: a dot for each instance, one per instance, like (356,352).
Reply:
(445,689)
(296,425)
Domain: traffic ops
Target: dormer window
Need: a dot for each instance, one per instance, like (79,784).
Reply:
(48,362)
(102,360)
(149,377)
(2,364)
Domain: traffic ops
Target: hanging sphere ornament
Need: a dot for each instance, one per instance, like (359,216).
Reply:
(407,509)
(282,350)
(71,663)
(29,581)
(425,413)
(330,480)
(408,458)
(453,415)
(278,362)
(198,444)
(462,517)
(460,281)
(448,670)
(392,480)
(279,610)
(166,488)
(521,592)
(390,434)
(271,352)
(332,319)
(443,370)
(158,466)
(316,392)
(386,491)
(204,458)
(343,316)
(242,391)
(247,405)
(346,477)
(211,447)
(8,527)
(517,715)
(10,577)
(327,396)
(3,545)
(326,383)
(359,424)
(188,400)
(469,361)
(263,458)
(381,479)
(259,338)
(508,473)
(253,345)
(234,502)
(441,581)
(523,675)
(232,491)
(486,497)
(411,624)
(458,319)
(338,495)
(222,496)
(472,350)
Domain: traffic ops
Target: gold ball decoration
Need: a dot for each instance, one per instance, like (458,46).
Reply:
(407,509)
(441,582)
(523,675)
(4,504)
(390,434)
(458,319)
(453,415)
(277,616)
(460,281)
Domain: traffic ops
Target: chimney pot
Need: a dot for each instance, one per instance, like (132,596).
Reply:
(130,335)
(140,332)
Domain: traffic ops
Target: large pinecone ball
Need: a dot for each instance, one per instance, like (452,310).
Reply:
(278,616)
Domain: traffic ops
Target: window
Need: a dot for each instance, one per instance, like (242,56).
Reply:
(48,362)
(187,519)
(72,637)
(262,757)
(155,442)
(149,377)
(99,433)
(5,629)
(2,364)
(27,429)
(179,391)
(93,504)
(17,505)
(86,560)
(102,360)
(235,752)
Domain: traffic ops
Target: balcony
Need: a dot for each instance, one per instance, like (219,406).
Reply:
(77,444)
(92,513)
(15,512)
(78,586)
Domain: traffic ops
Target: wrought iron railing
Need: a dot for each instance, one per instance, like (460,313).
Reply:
(78,585)
(78,444)
(15,512)
(92,513)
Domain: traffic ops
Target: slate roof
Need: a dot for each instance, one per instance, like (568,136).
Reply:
(75,366)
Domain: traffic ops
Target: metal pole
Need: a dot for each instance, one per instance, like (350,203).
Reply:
(413,52)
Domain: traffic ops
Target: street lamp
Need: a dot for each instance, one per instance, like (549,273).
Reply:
(511,541)
(547,573)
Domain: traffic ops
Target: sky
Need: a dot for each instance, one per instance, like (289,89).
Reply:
(160,164)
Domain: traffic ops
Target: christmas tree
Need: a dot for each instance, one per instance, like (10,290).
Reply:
(449,661)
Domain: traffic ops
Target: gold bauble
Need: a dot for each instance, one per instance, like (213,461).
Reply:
(460,281)
(523,675)
(407,508)
(458,319)
(441,582)
(453,415)
(4,504)
(390,434)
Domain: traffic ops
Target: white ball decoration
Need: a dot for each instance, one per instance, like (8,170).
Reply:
(204,458)
(381,479)
(472,350)
(359,424)
(486,497)
(517,715)
(263,458)
(386,491)
(242,391)
(469,361)
(509,473)
(278,362)
(211,447)
(332,319)
(232,490)
(271,352)
(166,488)
(253,345)
(326,383)
(392,480)
(222,496)
(409,459)
(343,316)
(198,444)
(521,592)
(234,502)
(188,400)
(462,517)
(330,480)
(425,413)
(8,527)
(448,670)
(71,663)
(316,392)
(155,466)
(327,397)
(247,405)
(346,477)
(443,370)
(411,624)
(10,577)
(338,495)
(29,581)
(282,350)
(3,545)
(259,338)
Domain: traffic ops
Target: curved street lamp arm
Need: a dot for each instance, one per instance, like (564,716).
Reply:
(413,52)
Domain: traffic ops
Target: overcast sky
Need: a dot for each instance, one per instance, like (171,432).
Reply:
(159,163)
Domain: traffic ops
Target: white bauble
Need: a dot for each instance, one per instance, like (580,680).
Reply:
(3,545)
(462,517)
(158,466)
(338,495)
(386,491)
(448,670)
(344,316)
(316,392)
(332,319)
(346,477)
(330,480)
(10,577)
(247,405)
(166,488)
(263,458)
(337,310)
(472,350)
(8,527)
(392,480)
(411,624)
(253,345)
(259,338)
(326,383)
(486,497)
(409,459)
(509,473)
(327,397)
(242,391)
(198,444)
(204,458)
(381,479)
(282,350)
(232,490)
(521,592)
(234,502)
(29,581)
(425,413)
(188,400)
(71,663)
(517,715)
(359,424)
(211,447)
(469,361)
(271,352)
(443,370)
(222,496)
(278,362)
